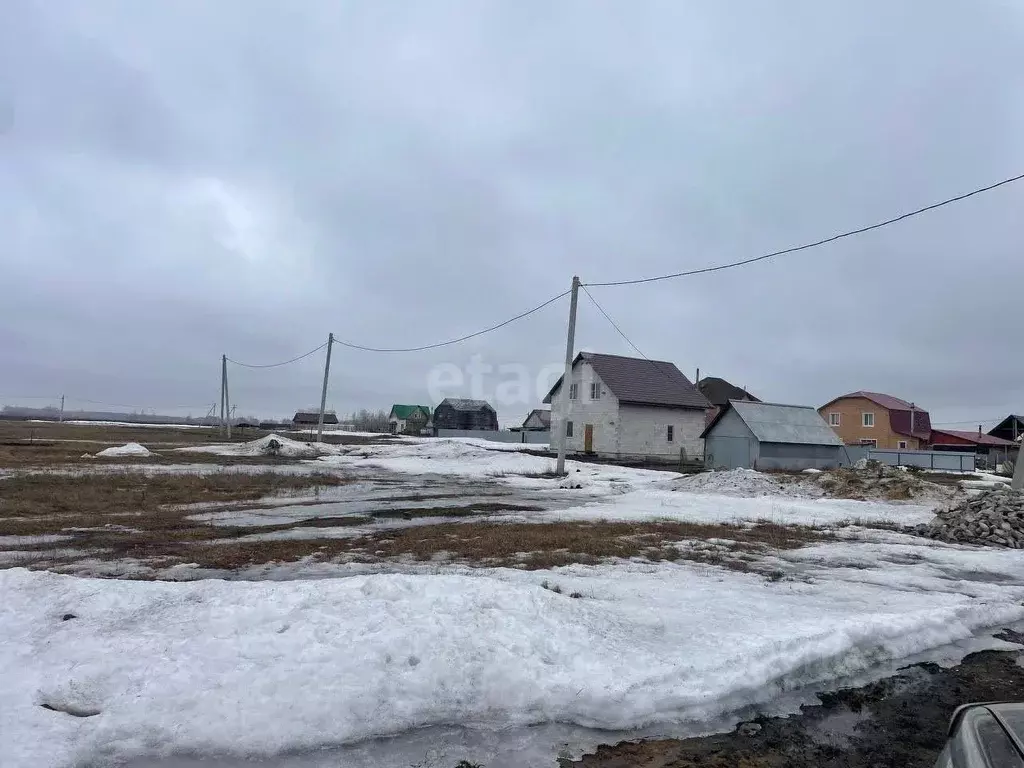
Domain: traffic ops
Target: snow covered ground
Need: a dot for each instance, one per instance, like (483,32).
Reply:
(329,654)
(253,669)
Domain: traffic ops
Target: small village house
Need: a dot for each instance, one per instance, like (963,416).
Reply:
(409,419)
(1011,428)
(878,420)
(755,435)
(312,418)
(459,413)
(628,407)
(539,420)
(990,450)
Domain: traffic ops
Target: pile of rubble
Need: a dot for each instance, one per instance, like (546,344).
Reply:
(992,518)
(877,482)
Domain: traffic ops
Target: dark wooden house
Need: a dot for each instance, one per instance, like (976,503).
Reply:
(312,418)
(457,413)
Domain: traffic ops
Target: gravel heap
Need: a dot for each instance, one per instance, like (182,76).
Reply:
(992,518)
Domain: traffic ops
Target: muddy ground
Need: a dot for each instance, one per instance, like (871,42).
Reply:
(897,722)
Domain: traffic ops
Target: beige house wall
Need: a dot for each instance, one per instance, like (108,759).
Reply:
(851,429)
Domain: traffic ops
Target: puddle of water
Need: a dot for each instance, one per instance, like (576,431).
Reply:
(837,728)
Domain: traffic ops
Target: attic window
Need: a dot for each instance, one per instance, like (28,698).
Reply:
(574,391)
(595,390)
(867,419)
(833,419)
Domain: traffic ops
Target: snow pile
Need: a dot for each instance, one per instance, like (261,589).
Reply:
(128,449)
(992,518)
(748,483)
(271,445)
(260,668)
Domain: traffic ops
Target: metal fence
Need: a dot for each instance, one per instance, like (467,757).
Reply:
(499,436)
(948,461)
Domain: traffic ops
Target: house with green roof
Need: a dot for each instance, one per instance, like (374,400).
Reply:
(409,419)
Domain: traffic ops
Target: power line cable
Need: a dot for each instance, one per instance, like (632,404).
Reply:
(278,365)
(815,244)
(502,324)
(607,317)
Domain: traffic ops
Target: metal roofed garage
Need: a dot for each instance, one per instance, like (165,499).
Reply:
(748,435)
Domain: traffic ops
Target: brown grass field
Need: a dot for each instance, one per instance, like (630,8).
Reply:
(115,513)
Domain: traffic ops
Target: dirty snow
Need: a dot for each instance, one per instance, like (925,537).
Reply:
(749,482)
(128,449)
(271,445)
(214,667)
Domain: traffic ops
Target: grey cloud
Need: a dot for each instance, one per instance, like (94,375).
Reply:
(186,179)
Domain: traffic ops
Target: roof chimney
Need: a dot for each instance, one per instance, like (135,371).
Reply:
(697,381)
(979,430)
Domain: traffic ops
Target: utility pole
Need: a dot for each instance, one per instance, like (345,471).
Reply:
(1018,473)
(223,387)
(60,418)
(323,394)
(570,342)
(227,398)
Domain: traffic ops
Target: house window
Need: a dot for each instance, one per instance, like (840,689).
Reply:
(574,391)
(869,442)
(833,419)
(671,433)
(568,429)
(595,390)
(867,419)
(902,445)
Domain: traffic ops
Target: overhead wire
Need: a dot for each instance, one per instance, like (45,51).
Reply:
(520,316)
(815,244)
(278,365)
(621,333)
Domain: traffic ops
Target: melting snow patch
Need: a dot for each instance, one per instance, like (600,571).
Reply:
(128,449)
(271,445)
(203,667)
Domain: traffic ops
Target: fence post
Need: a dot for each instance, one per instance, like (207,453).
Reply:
(931,458)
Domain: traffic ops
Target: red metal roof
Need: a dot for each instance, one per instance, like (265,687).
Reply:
(973,437)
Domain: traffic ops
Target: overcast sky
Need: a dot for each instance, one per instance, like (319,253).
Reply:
(184,179)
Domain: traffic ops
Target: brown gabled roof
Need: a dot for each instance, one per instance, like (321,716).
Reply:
(720,392)
(638,381)
(885,401)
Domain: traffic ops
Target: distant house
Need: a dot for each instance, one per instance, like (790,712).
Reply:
(1010,428)
(995,450)
(756,435)
(459,413)
(312,418)
(874,419)
(628,407)
(719,392)
(409,419)
(539,420)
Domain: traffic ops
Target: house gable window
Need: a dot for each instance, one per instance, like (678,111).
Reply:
(901,445)
(867,419)
(833,419)
(574,391)
(671,433)
(869,442)
(568,429)
(595,390)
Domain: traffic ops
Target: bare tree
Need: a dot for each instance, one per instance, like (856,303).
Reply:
(371,421)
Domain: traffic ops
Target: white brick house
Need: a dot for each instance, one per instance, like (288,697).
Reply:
(629,407)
